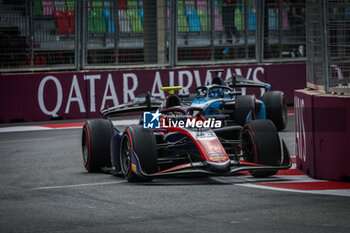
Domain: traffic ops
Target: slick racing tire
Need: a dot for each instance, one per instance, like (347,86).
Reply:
(262,145)
(143,143)
(244,104)
(276,108)
(96,138)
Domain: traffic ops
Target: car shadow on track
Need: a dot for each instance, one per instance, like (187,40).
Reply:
(209,180)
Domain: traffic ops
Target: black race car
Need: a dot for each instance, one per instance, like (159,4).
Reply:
(178,146)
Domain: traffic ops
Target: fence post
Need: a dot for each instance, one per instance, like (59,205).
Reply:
(149,36)
(259,31)
(212,28)
(246,27)
(116,28)
(173,34)
(76,36)
(31,33)
(83,34)
(160,16)
(324,41)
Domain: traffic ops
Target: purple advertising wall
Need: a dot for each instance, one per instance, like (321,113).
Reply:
(73,95)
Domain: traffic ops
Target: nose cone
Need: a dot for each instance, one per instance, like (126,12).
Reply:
(213,151)
(219,167)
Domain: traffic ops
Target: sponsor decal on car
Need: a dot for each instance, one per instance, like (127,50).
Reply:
(152,120)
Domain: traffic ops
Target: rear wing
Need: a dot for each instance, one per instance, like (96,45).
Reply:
(141,103)
(240,81)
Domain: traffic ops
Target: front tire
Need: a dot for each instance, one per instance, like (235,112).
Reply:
(244,104)
(96,138)
(262,145)
(143,143)
(276,108)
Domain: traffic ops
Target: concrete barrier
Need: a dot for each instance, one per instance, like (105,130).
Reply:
(322,134)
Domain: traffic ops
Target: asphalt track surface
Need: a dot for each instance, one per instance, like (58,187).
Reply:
(45,188)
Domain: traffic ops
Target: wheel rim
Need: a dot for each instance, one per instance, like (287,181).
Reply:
(85,146)
(125,155)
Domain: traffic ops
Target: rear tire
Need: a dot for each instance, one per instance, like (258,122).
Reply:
(276,108)
(143,142)
(96,138)
(262,146)
(244,104)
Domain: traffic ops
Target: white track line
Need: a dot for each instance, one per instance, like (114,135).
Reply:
(32,128)
(21,129)
(77,185)
(28,140)
(124,122)
(335,192)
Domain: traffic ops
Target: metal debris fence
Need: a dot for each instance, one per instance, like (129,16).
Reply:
(328,45)
(72,35)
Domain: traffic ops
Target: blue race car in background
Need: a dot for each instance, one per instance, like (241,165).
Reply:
(221,98)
